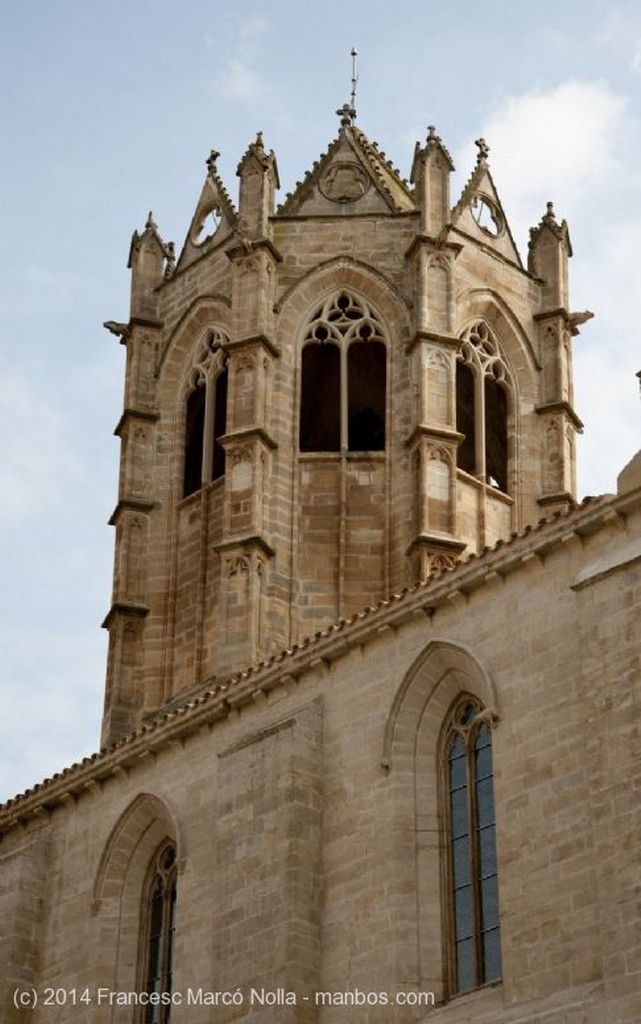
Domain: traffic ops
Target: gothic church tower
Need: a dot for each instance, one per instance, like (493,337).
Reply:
(325,402)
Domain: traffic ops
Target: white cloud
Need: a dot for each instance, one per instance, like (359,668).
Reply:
(238,81)
(555,145)
(253,28)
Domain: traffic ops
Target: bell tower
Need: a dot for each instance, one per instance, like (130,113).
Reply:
(325,402)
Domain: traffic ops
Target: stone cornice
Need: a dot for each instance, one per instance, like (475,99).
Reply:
(452,437)
(135,414)
(449,341)
(214,701)
(130,505)
(127,609)
(563,407)
(251,341)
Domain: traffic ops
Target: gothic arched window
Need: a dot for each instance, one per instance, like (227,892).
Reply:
(159,924)
(474,944)
(206,416)
(482,384)
(343,379)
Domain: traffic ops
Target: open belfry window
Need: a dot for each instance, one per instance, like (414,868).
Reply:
(159,925)
(482,384)
(206,416)
(343,378)
(473,948)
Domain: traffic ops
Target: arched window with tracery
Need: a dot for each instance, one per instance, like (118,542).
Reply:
(482,387)
(343,378)
(473,947)
(206,415)
(158,930)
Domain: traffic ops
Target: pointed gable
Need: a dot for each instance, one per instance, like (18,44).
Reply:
(353,176)
(214,220)
(479,213)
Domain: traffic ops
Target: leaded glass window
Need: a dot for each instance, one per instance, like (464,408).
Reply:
(159,924)
(474,943)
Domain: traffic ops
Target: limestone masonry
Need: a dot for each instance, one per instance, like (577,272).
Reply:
(371,738)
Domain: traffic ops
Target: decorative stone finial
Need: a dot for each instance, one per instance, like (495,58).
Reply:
(170,257)
(347,115)
(484,151)
(211,161)
(259,141)
(151,224)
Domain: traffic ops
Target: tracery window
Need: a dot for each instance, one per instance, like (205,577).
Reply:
(206,415)
(159,924)
(343,378)
(474,946)
(482,384)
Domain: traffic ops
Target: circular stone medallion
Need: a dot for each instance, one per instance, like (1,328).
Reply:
(344,183)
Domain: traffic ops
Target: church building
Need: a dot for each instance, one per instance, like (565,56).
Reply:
(371,741)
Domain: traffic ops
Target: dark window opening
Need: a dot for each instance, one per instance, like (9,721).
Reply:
(320,429)
(205,458)
(220,425)
(345,309)
(366,394)
(194,431)
(465,418)
(476,949)
(495,434)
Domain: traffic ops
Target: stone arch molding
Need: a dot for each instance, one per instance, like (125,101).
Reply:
(485,304)
(437,677)
(346,273)
(205,312)
(137,834)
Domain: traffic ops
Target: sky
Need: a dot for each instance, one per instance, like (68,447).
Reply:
(109,109)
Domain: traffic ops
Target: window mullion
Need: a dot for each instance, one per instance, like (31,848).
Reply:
(344,398)
(208,431)
(479,424)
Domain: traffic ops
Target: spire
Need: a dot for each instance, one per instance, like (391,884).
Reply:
(431,169)
(150,261)
(347,112)
(258,173)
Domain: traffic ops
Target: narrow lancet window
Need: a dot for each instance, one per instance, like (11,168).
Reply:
(366,395)
(465,417)
(220,424)
(159,930)
(320,429)
(474,942)
(206,416)
(194,431)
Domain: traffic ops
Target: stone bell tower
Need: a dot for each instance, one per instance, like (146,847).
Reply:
(325,402)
